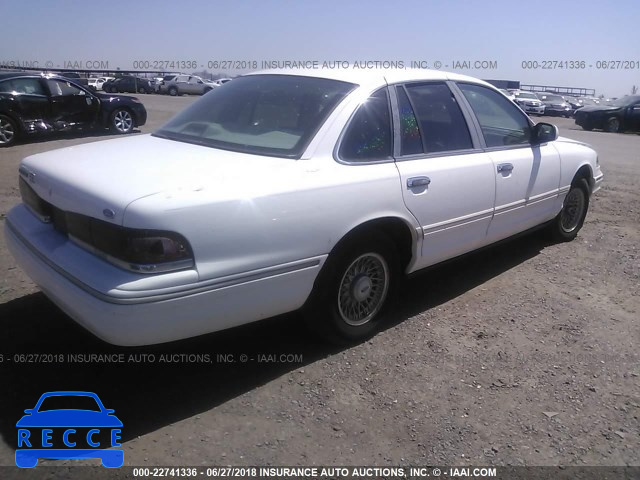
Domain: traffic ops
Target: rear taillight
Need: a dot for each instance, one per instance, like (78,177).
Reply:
(136,250)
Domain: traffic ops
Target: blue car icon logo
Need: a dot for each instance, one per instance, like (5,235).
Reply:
(69,424)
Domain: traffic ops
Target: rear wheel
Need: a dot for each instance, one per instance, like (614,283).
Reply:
(353,292)
(8,131)
(121,121)
(569,221)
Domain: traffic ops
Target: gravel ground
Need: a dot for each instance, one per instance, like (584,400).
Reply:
(525,354)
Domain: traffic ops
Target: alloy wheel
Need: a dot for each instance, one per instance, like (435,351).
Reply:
(363,289)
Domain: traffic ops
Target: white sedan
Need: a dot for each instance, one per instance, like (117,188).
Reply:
(97,82)
(290,190)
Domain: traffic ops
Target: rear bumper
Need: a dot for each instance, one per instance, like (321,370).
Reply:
(88,290)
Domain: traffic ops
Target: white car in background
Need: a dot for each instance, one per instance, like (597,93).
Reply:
(529,102)
(290,190)
(508,94)
(96,82)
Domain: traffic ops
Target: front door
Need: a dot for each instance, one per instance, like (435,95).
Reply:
(527,176)
(71,106)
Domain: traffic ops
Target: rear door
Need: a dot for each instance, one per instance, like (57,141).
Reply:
(27,98)
(447,181)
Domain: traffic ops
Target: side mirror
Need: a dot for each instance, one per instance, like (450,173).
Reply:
(543,133)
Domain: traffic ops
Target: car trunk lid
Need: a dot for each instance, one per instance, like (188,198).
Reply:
(101,179)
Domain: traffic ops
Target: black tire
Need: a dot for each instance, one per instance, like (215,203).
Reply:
(569,221)
(355,290)
(8,131)
(613,125)
(121,121)
(142,90)
(173,91)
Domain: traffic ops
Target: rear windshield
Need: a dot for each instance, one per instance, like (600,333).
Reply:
(273,115)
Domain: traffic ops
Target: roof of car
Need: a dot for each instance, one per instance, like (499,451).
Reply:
(5,75)
(373,77)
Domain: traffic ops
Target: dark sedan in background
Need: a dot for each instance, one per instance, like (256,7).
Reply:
(620,115)
(31,104)
(129,84)
(555,104)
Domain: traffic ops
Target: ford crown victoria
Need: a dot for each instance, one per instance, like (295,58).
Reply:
(290,190)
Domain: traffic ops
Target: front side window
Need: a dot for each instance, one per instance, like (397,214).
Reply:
(260,114)
(440,119)
(60,88)
(368,136)
(502,123)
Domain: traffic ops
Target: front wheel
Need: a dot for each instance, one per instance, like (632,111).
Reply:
(173,91)
(569,221)
(613,125)
(121,121)
(353,291)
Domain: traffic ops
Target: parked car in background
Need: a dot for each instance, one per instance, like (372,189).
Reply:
(185,84)
(555,104)
(144,239)
(128,84)
(529,102)
(97,82)
(222,81)
(621,115)
(574,102)
(508,94)
(590,101)
(76,77)
(31,104)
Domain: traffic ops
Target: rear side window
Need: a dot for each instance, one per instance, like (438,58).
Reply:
(368,137)
(25,86)
(442,125)
(501,121)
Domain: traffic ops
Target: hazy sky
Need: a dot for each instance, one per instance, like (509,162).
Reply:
(508,33)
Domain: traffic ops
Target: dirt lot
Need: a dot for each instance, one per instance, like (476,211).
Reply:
(525,354)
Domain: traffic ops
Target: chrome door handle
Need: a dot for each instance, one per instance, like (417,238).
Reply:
(505,167)
(418,182)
